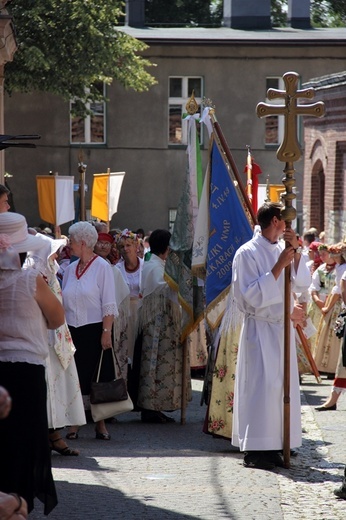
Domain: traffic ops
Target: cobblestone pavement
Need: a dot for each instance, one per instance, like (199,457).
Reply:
(175,472)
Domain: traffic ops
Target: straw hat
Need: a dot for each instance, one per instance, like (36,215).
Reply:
(16,228)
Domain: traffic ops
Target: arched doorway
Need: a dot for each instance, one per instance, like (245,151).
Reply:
(317,196)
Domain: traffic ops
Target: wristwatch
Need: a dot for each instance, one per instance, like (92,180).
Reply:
(298,250)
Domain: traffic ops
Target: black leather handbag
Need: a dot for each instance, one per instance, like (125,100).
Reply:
(110,391)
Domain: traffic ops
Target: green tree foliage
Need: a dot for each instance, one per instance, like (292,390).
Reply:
(328,13)
(279,13)
(67,47)
(183,13)
(324,13)
(216,10)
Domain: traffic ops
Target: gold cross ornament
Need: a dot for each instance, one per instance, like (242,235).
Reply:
(289,150)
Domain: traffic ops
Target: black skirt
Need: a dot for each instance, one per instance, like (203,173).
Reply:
(25,460)
(87,340)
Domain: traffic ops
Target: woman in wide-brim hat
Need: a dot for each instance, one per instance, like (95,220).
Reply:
(64,398)
(27,308)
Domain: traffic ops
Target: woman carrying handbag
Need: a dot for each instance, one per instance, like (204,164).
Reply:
(89,301)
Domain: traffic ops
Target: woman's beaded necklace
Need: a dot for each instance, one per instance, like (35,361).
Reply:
(132,270)
(81,268)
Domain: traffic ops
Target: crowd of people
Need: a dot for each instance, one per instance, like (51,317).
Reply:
(66,300)
(63,302)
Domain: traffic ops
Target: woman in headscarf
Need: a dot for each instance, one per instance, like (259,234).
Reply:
(103,246)
(314,256)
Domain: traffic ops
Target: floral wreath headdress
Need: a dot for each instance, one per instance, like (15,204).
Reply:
(126,233)
(337,250)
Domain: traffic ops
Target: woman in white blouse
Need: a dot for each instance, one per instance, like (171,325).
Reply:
(90,307)
(338,252)
(131,268)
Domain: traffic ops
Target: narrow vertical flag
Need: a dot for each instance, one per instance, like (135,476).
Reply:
(178,264)
(105,194)
(228,227)
(55,198)
(248,170)
(252,170)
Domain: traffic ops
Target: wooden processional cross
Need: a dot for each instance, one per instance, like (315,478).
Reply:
(289,152)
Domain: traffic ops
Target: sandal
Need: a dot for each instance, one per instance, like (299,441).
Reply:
(66,451)
(102,436)
(72,436)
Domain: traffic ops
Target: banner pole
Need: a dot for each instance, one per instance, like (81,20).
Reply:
(108,197)
(81,170)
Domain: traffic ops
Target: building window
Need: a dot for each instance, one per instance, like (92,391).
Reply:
(180,90)
(91,129)
(172,215)
(274,125)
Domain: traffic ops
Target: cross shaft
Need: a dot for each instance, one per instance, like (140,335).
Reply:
(289,152)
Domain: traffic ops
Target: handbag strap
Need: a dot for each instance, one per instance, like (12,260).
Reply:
(115,362)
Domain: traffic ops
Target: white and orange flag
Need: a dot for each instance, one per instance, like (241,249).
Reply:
(105,194)
(55,198)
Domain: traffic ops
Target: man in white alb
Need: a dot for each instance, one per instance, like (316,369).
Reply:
(258,283)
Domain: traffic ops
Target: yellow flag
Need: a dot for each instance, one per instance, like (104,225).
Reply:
(105,194)
(275,192)
(55,198)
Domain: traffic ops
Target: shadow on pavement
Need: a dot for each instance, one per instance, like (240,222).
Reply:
(86,502)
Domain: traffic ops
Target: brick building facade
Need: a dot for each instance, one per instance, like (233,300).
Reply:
(325,159)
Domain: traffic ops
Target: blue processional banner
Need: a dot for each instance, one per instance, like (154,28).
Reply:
(229,228)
